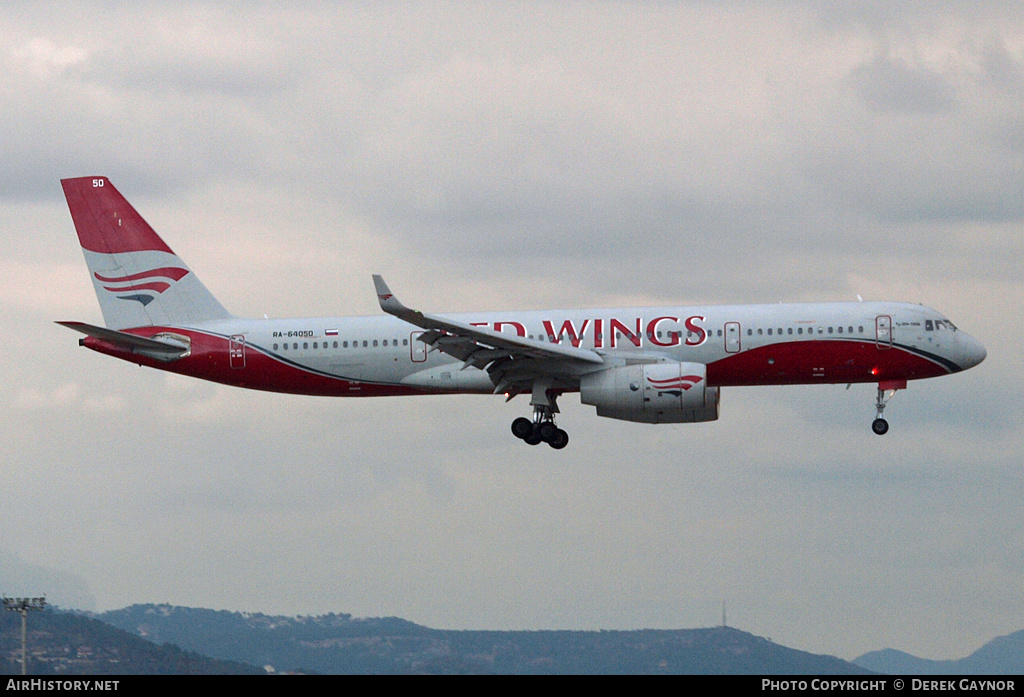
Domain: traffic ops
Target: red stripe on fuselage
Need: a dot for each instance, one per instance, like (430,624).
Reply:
(209,359)
(821,361)
(788,363)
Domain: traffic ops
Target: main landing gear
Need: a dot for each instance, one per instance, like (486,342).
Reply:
(885,392)
(543,427)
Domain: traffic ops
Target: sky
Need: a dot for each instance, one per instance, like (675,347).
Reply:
(517,155)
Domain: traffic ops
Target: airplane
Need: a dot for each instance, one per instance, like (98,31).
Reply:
(643,364)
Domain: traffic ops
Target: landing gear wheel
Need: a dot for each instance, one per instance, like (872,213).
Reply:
(885,392)
(522,427)
(542,428)
(559,440)
(547,430)
(533,437)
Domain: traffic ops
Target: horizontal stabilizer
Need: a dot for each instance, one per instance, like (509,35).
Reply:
(151,348)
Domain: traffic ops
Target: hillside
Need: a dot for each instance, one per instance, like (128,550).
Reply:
(65,643)
(1002,656)
(340,644)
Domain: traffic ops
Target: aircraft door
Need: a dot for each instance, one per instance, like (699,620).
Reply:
(732,337)
(883,331)
(417,349)
(236,351)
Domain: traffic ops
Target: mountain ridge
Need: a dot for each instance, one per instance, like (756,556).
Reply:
(339,643)
(1003,655)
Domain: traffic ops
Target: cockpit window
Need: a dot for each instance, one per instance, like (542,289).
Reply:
(928,326)
(939,324)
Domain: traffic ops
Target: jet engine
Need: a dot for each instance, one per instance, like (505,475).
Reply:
(654,393)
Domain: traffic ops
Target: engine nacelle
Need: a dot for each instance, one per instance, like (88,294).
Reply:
(654,393)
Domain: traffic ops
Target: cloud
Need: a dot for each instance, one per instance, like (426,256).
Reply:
(34,399)
(525,155)
(67,397)
(891,84)
(22,579)
(44,60)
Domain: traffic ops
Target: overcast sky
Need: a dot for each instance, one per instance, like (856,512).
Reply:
(512,156)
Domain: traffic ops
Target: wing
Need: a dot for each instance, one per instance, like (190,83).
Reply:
(513,362)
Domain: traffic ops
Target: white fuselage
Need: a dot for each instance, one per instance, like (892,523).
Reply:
(807,338)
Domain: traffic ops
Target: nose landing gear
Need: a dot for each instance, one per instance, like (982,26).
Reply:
(886,390)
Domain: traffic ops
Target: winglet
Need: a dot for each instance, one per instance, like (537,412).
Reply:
(388,302)
(384,294)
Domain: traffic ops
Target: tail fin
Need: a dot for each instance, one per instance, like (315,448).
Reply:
(138,279)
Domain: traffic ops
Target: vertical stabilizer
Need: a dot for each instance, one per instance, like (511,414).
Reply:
(138,279)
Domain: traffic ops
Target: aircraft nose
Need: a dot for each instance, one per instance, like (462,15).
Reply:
(971,350)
